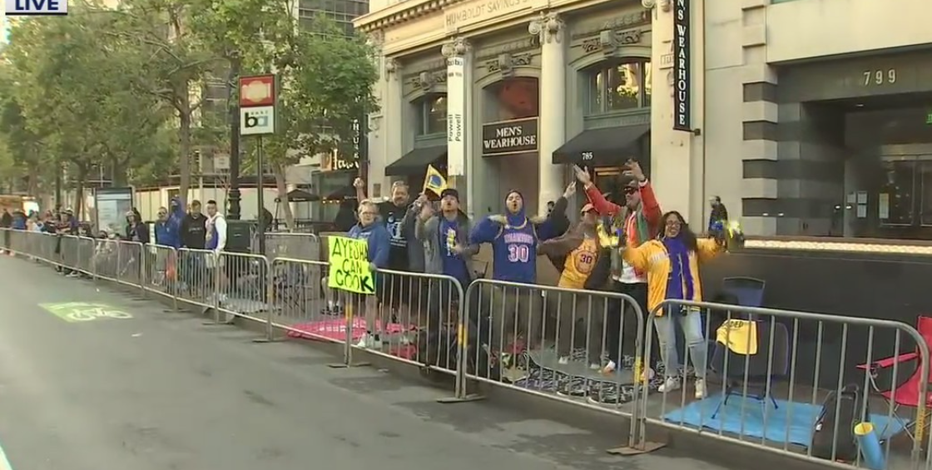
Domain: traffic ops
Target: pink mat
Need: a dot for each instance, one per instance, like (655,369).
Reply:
(336,329)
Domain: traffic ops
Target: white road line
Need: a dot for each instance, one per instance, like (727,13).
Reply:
(4,462)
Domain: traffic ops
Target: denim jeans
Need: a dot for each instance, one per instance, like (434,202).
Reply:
(690,321)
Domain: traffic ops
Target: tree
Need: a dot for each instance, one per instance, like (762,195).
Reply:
(326,77)
(73,90)
(175,65)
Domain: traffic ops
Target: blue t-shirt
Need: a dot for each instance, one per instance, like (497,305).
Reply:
(453,264)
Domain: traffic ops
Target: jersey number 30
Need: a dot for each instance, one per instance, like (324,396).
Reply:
(518,253)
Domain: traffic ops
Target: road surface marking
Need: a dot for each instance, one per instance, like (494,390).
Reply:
(81,312)
(4,461)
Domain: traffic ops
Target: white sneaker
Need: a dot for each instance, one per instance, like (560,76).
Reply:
(564,360)
(595,366)
(669,384)
(700,389)
(609,368)
(368,342)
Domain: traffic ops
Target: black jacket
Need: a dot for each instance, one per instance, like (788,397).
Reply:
(194,232)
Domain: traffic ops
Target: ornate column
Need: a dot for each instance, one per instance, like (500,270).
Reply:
(392,117)
(456,51)
(552,120)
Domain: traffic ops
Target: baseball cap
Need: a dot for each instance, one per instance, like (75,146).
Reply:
(587,208)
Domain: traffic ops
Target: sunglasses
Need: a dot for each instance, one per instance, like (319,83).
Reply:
(630,190)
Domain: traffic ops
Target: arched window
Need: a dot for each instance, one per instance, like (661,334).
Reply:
(431,114)
(618,86)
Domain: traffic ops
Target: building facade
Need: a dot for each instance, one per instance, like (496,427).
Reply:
(507,94)
(807,117)
(828,103)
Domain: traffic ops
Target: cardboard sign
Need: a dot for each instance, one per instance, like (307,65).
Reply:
(349,266)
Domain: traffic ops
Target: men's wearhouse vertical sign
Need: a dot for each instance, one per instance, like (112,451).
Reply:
(681,72)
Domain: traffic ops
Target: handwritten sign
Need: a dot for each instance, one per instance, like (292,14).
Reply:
(349,266)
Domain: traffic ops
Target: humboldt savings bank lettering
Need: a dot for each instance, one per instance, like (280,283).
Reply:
(509,137)
(482,10)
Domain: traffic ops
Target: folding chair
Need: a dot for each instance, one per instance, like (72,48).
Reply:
(748,290)
(907,393)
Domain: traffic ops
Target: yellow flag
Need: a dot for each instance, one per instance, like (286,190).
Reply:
(434,181)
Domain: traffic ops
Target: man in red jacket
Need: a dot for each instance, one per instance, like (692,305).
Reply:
(637,221)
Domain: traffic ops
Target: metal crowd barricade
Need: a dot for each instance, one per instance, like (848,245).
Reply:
(84,259)
(242,282)
(161,276)
(555,342)
(780,374)
(304,246)
(417,317)
(195,285)
(303,305)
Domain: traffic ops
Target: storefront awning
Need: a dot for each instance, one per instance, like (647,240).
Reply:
(602,147)
(416,161)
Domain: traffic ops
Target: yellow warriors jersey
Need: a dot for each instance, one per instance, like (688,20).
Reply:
(579,264)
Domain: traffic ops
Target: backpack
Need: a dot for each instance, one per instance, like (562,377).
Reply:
(439,348)
(849,404)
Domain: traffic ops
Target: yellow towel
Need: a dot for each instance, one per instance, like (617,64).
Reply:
(740,336)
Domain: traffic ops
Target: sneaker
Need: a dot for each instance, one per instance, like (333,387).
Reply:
(669,384)
(700,389)
(595,366)
(73,274)
(609,368)
(564,360)
(612,394)
(368,341)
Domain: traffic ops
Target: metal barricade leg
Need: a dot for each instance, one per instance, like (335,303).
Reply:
(460,394)
(350,303)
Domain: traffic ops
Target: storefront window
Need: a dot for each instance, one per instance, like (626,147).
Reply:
(619,87)
(431,113)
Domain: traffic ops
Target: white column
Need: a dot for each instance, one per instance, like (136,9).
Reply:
(552,121)
(455,52)
(393,121)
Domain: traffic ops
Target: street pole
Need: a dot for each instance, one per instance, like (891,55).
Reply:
(261,213)
(234,194)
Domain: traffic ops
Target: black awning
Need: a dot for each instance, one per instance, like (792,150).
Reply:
(602,147)
(415,162)
(300,195)
(345,192)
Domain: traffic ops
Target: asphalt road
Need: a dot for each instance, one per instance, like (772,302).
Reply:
(162,391)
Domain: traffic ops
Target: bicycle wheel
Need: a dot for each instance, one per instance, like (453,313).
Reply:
(116,314)
(82,315)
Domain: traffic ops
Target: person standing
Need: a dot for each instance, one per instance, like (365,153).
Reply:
(718,219)
(445,237)
(194,228)
(215,241)
(193,235)
(514,238)
(165,234)
(404,256)
(6,223)
(632,224)
(378,240)
(672,267)
(136,229)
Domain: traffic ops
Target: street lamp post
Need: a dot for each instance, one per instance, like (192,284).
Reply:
(235,211)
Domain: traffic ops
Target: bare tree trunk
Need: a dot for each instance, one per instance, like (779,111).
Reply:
(184,157)
(279,172)
(79,193)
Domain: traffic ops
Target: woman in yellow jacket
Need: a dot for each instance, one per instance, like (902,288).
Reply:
(672,266)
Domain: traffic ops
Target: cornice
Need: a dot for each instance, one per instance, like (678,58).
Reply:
(401,12)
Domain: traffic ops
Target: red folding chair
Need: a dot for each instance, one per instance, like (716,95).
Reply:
(908,393)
